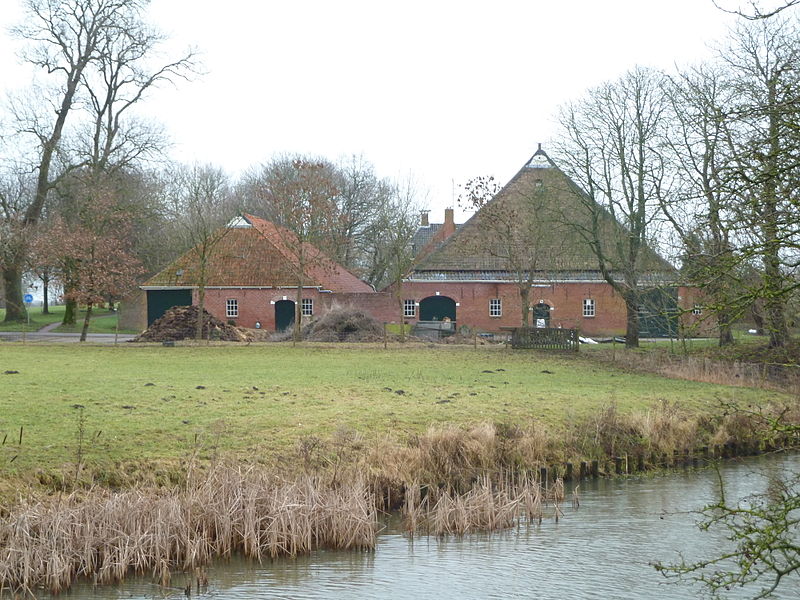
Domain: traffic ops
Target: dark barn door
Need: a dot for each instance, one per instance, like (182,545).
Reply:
(284,314)
(541,315)
(160,301)
(437,308)
(658,312)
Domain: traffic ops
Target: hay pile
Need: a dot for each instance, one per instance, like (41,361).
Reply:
(344,324)
(180,323)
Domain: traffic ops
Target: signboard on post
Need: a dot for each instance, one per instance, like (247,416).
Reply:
(27,298)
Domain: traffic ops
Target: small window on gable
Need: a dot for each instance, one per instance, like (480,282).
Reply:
(588,307)
(495,307)
(231,308)
(697,310)
(409,308)
(307,307)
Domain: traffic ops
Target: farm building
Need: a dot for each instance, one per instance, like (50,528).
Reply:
(252,277)
(526,237)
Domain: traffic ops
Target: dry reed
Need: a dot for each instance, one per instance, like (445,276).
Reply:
(105,535)
(488,506)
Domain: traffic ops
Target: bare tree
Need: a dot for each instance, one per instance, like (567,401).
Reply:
(92,52)
(201,203)
(299,195)
(388,242)
(763,58)
(608,146)
(701,205)
(754,11)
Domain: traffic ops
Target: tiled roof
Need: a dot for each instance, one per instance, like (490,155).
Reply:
(424,235)
(559,247)
(543,277)
(257,256)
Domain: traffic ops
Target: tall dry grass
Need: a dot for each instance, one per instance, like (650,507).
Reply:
(488,506)
(104,535)
(778,377)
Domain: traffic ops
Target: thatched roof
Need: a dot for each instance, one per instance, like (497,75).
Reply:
(549,211)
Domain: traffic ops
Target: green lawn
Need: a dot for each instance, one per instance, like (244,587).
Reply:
(151,402)
(37,319)
(102,321)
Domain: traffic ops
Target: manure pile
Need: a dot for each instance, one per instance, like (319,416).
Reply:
(344,325)
(180,323)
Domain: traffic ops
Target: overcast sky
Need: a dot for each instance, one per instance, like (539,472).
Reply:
(438,90)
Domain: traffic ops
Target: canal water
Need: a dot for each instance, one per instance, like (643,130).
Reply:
(601,550)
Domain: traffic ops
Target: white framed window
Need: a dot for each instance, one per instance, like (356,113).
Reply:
(409,308)
(589,307)
(307,307)
(231,308)
(697,310)
(495,307)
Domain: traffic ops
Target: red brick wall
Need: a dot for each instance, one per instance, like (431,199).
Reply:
(702,325)
(256,304)
(565,300)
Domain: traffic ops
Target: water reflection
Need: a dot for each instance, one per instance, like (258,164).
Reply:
(602,550)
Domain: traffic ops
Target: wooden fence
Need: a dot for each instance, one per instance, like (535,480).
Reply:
(545,338)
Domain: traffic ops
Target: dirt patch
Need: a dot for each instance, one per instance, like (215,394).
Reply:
(180,323)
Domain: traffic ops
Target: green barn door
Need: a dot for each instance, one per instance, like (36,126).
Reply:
(284,314)
(541,315)
(437,308)
(160,301)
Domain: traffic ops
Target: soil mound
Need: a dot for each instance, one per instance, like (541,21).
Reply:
(180,323)
(344,324)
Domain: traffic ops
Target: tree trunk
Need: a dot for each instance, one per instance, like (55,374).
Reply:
(15,307)
(201,307)
(85,329)
(401,303)
(70,312)
(45,293)
(725,330)
(297,312)
(632,329)
(524,298)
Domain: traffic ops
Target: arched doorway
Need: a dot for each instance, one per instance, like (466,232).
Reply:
(437,308)
(284,314)
(541,315)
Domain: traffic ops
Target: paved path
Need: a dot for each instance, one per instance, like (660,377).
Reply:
(46,337)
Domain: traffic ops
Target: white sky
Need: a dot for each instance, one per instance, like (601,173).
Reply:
(439,90)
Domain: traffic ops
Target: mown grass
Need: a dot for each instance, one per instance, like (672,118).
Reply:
(37,319)
(108,406)
(102,321)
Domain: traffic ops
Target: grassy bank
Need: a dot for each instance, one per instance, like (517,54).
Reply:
(105,407)
(272,449)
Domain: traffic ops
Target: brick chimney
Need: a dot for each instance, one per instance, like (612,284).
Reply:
(423,218)
(449,226)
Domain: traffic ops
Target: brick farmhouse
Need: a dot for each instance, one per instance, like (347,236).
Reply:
(460,273)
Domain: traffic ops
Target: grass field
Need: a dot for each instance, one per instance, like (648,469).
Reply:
(102,321)
(146,403)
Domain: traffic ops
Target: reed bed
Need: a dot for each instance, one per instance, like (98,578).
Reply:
(104,536)
(487,506)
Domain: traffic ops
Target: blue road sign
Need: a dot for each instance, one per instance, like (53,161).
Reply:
(28,298)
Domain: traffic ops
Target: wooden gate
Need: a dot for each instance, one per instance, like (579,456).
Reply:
(545,338)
